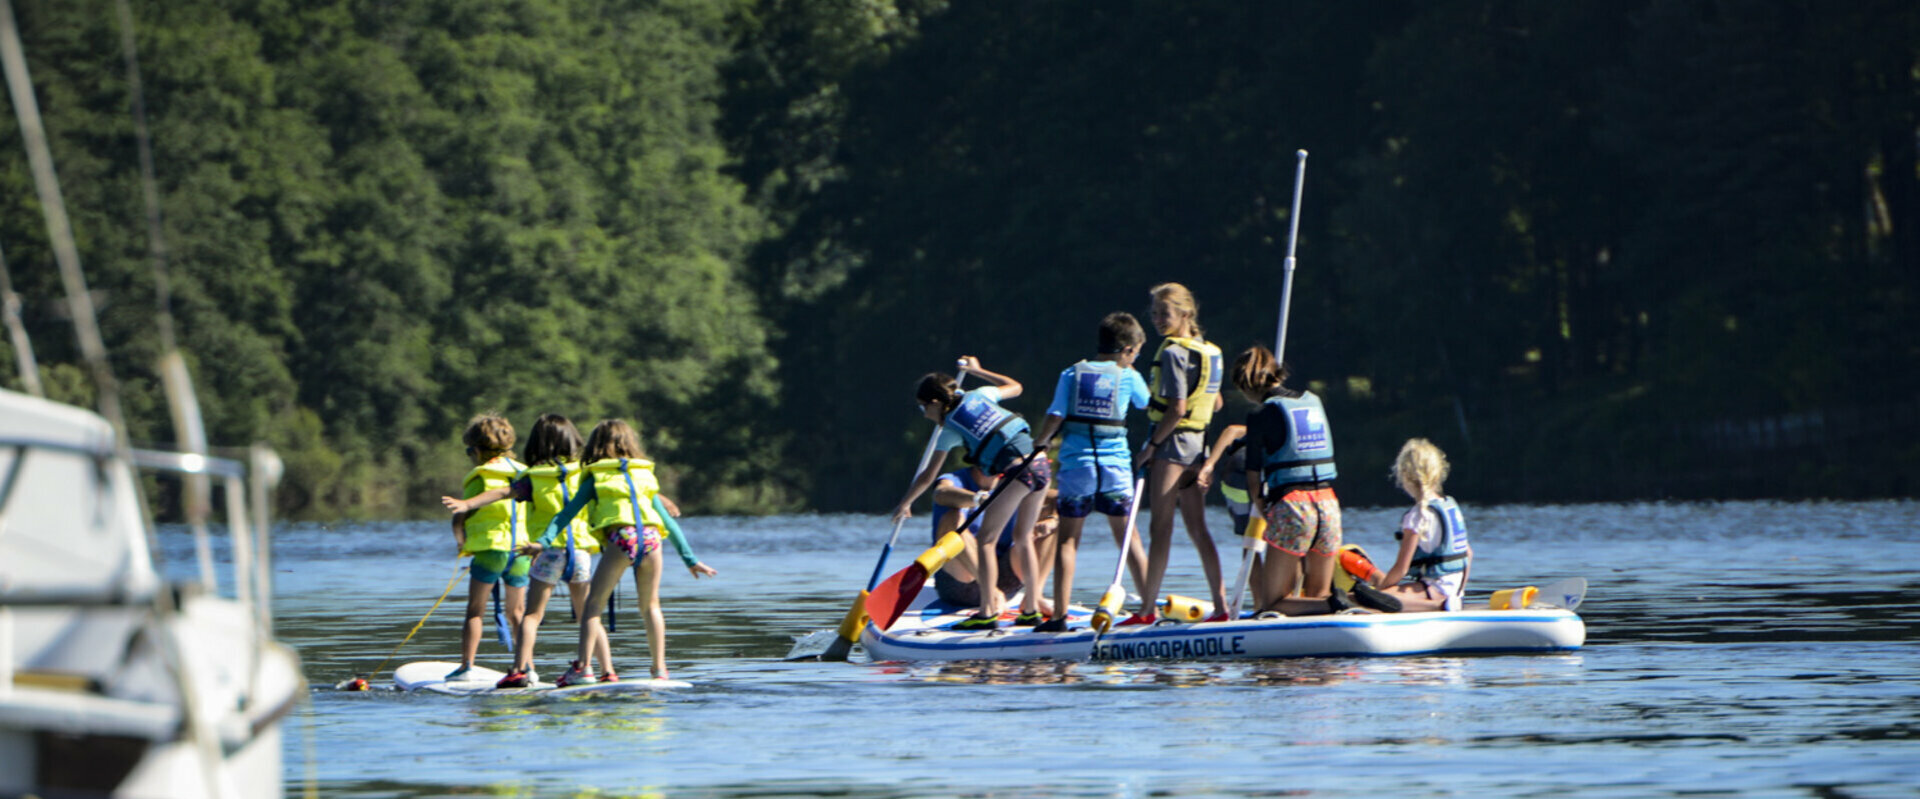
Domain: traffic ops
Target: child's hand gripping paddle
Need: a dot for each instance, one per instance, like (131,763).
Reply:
(856,617)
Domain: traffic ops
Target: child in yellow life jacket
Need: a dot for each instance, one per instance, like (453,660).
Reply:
(551,478)
(490,534)
(1184,379)
(627,517)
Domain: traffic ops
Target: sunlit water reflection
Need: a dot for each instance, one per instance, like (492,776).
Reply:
(1750,649)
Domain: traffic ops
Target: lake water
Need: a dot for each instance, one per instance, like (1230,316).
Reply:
(1741,649)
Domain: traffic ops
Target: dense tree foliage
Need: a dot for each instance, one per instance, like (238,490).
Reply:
(1594,249)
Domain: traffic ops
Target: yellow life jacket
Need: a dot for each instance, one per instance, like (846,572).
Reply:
(552,487)
(501,526)
(623,491)
(1201,394)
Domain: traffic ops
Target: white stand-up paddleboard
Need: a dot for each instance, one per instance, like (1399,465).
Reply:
(431,675)
(615,688)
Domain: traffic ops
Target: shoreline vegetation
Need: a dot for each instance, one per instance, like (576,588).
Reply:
(1595,250)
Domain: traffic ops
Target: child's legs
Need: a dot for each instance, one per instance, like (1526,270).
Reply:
(1066,549)
(1162,476)
(646,583)
(605,576)
(1192,501)
(992,521)
(1280,570)
(1025,558)
(473,626)
(537,594)
(1136,551)
(600,646)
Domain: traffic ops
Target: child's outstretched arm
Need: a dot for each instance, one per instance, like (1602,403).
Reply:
(921,483)
(479,500)
(680,543)
(1009,387)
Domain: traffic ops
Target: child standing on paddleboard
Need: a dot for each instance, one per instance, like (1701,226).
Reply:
(1185,381)
(1434,554)
(551,478)
(1090,404)
(628,519)
(1000,442)
(491,534)
(1290,473)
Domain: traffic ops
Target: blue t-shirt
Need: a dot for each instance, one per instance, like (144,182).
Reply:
(1077,448)
(964,479)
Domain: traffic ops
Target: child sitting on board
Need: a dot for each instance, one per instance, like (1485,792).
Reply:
(628,519)
(1430,571)
(551,478)
(1090,404)
(492,534)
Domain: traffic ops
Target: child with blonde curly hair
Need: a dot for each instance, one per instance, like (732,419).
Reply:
(1430,571)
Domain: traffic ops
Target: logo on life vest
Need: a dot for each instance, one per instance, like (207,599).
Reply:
(977,417)
(1310,431)
(1094,396)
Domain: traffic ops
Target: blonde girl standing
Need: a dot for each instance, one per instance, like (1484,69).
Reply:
(1184,379)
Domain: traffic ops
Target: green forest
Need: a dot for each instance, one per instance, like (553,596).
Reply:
(1595,249)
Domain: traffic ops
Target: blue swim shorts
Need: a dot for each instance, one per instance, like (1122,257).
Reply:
(487,568)
(1104,488)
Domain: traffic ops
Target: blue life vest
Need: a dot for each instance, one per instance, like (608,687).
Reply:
(1449,554)
(1307,456)
(984,427)
(1096,408)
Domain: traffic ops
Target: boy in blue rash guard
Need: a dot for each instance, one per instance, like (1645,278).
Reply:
(1090,403)
(998,441)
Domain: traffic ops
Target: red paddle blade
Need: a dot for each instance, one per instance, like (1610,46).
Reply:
(891,597)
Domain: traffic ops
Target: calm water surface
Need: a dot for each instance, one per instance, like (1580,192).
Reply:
(1747,649)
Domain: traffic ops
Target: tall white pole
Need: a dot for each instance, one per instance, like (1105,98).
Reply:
(1254,542)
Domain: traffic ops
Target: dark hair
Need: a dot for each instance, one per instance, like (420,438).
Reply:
(1256,372)
(938,387)
(1119,331)
(553,441)
(613,438)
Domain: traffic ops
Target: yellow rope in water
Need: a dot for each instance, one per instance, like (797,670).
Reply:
(457,569)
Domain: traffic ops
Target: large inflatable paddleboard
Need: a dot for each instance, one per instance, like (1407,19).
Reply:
(925,632)
(431,675)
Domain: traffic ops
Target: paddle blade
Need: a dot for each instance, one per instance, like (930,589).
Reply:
(890,598)
(849,631)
